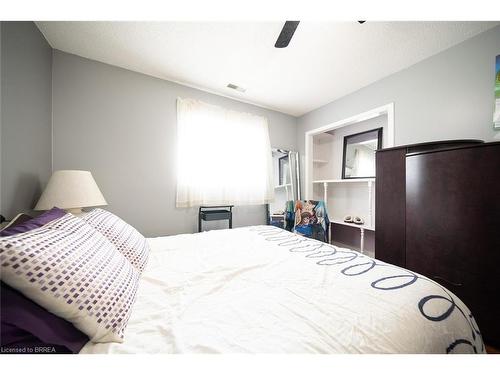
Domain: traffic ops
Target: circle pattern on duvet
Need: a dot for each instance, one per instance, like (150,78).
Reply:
(355,264)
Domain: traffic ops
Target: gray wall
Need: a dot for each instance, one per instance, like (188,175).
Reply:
(26,101)
(449,95)
(121,125)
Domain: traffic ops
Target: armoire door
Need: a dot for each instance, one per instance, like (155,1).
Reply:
(390,206)
(453,226)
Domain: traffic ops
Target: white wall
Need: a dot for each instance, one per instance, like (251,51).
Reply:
(121,125)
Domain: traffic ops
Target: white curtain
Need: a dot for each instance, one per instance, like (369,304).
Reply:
(223,156)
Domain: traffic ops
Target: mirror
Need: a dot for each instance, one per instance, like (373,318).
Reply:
(284,171)
(286,184)
(359,154)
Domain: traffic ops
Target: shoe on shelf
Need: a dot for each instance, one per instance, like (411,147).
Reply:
(348,219)
(358,220)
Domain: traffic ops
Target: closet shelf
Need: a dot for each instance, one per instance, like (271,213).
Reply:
(353,180)
(362,226)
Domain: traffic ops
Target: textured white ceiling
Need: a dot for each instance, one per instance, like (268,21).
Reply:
(324,61)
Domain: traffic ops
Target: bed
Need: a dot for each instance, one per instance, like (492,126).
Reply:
(261,289)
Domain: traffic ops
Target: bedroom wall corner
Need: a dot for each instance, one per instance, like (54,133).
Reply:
(121,125)
(447,96)
(26,116)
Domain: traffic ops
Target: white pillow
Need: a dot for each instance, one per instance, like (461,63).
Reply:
(73,271)
(125,237)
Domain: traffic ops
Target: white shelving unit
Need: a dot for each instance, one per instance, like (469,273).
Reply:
(284,189)
(287,188)
(370,222)
(346,181)
(362,226)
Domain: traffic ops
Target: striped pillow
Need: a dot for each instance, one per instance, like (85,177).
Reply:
(73,271)
(125,237)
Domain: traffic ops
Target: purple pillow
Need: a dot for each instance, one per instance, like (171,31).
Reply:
(23,342)
(37,222)
(28,325)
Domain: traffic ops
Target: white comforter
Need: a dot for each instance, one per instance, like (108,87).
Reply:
(265,290)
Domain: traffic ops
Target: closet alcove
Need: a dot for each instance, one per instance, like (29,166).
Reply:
(330,173)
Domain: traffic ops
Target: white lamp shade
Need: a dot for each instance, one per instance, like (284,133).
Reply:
(70,190)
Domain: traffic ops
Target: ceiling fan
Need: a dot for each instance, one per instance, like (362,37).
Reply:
(287,33)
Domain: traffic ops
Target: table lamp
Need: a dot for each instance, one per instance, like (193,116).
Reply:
(70,190)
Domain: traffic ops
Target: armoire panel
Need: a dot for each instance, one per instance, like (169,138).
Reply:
(453,224)
(390,206)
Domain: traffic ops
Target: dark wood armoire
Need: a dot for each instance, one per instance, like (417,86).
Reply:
(438,214)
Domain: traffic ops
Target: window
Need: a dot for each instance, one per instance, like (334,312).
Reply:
(223,156)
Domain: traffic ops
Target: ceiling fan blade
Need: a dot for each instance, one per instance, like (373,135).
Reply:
(286,34)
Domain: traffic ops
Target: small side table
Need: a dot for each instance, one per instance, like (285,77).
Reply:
(210,213)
